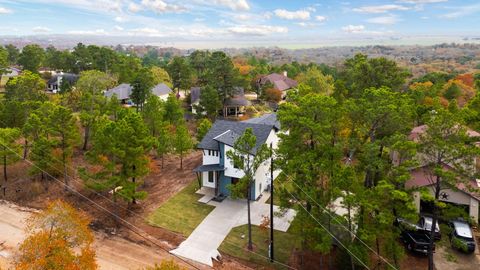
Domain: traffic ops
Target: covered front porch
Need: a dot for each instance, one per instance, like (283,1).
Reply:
(209,179)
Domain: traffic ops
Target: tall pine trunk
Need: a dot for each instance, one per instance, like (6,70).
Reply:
(25,149)
(250,245)
(85,137)
(434,224)
(5,164)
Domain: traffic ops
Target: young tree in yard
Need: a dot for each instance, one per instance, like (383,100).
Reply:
(202,129)
(173,113)
(142,88)
(90,87)
(63,129)
(9,149)
(209,103)
(31,57)
(247,160)
(152,113)
(164,141)
(58,238)
(449,155)
(120,154)
(182,142)
(318,82)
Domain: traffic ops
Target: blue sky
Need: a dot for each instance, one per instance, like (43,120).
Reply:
(247,22)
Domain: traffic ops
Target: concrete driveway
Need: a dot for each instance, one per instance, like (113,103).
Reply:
(202,244)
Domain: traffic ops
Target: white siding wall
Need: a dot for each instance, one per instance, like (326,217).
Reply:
(230,171)
(205,180)
(163,97)
(210,159)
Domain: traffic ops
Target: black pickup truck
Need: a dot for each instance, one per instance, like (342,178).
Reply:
(416,241)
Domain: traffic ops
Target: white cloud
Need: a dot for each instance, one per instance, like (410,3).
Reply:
(41,29)
(386,20)
(237,5)
(421,1)
(257,30)
(160,6)
(5,10)
(353,28)
(120,19)
(146,30)
(118,28)
(461,11)
(424,17)
(320,18)
(380,8)
(292,15)
(134,7)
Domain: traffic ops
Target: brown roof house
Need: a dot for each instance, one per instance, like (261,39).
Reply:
(279,81)
(465,194)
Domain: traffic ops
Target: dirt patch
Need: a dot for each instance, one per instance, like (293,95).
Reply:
(161,184)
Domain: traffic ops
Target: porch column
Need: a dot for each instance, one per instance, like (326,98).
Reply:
(474,209)
(416,200)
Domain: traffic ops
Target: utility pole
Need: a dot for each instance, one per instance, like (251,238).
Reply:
(271,204)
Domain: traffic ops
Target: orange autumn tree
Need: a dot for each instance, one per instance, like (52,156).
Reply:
(58,238)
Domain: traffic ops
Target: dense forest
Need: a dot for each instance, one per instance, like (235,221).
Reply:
(345,133)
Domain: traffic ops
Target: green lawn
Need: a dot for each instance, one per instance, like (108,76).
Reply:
(181,213)
(285,242)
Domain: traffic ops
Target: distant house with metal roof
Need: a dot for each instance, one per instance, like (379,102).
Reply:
(124,91)
(217,171)
(60,80)
(279,81)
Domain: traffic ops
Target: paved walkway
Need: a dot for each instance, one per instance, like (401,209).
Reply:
(202,244)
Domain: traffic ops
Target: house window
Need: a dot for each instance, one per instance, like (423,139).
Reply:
(210,177)
(216,153)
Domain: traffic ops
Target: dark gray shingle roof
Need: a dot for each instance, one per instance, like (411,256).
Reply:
(223,131)
(266,119)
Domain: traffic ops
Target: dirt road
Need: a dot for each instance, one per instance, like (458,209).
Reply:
(113,253)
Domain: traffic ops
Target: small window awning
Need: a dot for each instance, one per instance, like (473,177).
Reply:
(209,168)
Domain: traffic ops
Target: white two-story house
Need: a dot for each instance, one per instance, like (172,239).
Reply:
(218,171)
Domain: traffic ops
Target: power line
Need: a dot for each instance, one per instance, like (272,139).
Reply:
(128,210)
(330,233)
(105,210)
(343,226)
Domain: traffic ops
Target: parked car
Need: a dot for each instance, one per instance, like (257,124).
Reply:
(425,225)
(461,236)
(416,241)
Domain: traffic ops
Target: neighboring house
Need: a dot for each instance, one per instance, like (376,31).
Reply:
(279,81)
(55,83)
(194,98)
(12,72)
(217,170)
(162,91)
(466,195)
(232,106)
(235,105)
(124,91)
